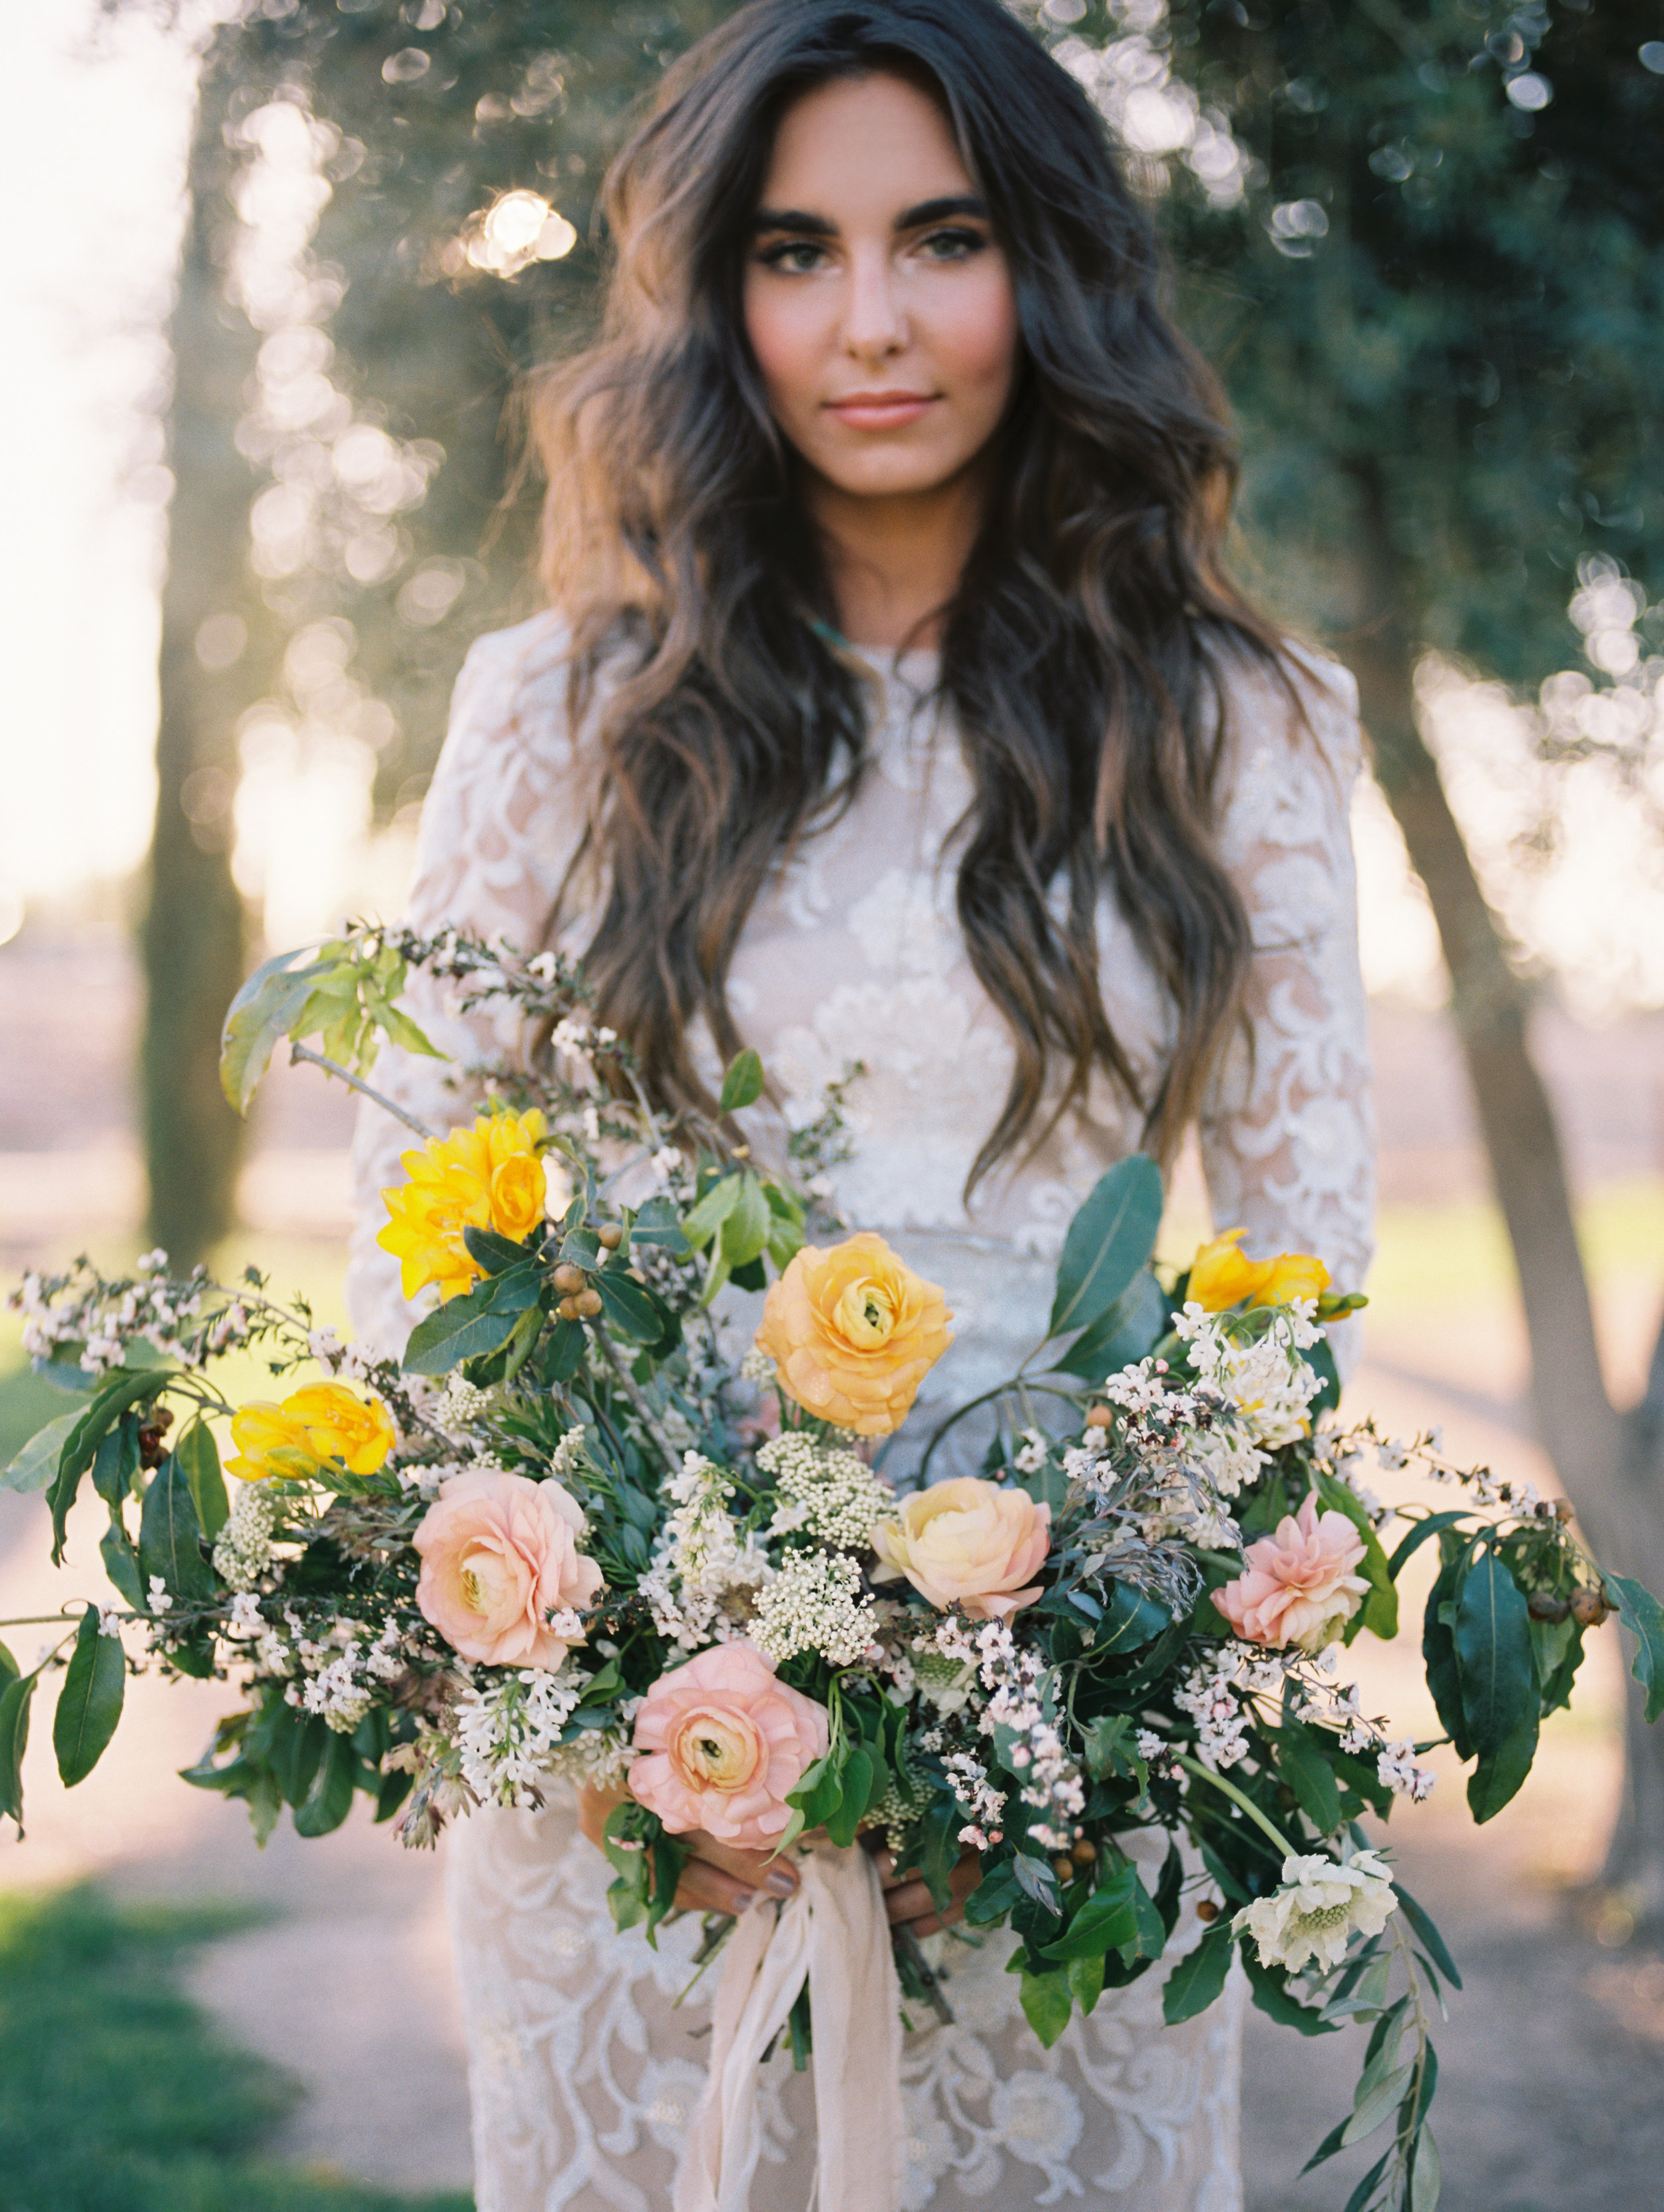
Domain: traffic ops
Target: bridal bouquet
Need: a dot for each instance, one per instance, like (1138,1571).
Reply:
(574,1533)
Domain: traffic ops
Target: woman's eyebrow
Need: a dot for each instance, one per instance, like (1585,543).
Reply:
(942,210)
(797,219)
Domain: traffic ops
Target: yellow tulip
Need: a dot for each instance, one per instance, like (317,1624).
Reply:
(342,1426)
(490,1176)
(1221,1275)
(271,1442)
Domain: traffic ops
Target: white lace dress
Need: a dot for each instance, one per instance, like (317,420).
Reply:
(584,2066)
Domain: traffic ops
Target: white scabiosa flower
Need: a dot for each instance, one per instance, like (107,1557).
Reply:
(1321,1906)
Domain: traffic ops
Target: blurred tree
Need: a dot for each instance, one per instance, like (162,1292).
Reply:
(391,206)
(1424,240)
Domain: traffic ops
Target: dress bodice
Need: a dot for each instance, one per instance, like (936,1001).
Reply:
(853,953)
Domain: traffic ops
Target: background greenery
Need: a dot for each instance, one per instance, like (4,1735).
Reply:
(116,2095)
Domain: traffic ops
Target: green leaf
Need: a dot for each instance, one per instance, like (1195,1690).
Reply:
(14,1742)
(1277,2000)
(857,1782)
(1361,2195)
(1047,2002)
(1086,1982)
(1438,1649)
(1380,1610)
(1108,1921)
(9,1669)
(1301,1763)
(89,1703)
(1198,1978)
(115,1548)
(745,1231)
(329,1801)
(1119,1337)
(1427,1931)
(1376,2107)
(658,1224)
(495,1253)
(116,1462)
(1109,1239)
(742,1085)
(262,1012)
(1130,1621)
(35,1465)
(199,1455)
(480,1322)
(632,1310)
(1425,2178)
(1494,1660)
(110,1402)
(1417,1536)
(700,1222)
(1497,1779)
(1641,1613)
(169,1536)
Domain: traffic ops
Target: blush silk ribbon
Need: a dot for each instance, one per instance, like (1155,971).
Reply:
(834,1930)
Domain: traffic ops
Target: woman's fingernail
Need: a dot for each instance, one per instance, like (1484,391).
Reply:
(780,1883)
(744,1900)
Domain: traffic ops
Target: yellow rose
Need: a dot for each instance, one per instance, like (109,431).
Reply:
(340,1427)
(1222,1276)
(969,1543)
(490,1176)
(270,1442)
(853,1332)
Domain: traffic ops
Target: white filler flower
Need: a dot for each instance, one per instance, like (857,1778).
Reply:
(1321,1906)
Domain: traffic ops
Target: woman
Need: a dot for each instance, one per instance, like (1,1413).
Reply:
(896,710)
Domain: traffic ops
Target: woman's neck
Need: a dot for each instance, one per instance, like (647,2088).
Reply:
(895,564)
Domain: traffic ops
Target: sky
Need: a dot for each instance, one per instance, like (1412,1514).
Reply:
(93,129)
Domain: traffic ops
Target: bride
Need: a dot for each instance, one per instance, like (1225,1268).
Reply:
(893,708)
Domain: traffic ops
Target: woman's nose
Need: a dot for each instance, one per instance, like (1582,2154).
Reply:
(875,323)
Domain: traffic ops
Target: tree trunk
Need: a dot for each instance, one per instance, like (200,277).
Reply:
(1607,1462)
(192,935)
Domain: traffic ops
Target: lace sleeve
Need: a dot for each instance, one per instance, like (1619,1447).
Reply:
(1288,1129)
(499,827)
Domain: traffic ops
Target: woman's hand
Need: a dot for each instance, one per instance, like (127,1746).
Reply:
(718,1878)
(910,1904)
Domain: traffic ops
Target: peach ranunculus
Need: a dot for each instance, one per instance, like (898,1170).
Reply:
(490,1176)
(340,1426)
(852,1332)
(1300,1587)
(499,1554)
(722,1743)
(271,1443)
(1222,1275)
(969,1543)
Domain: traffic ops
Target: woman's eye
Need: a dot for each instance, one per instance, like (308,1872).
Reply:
(952,244)
(797,255)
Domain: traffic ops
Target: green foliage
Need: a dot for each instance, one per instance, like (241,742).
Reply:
(1642,1614)
(89,1703)
(1199,1978)
(1110,1238)
(116,2094)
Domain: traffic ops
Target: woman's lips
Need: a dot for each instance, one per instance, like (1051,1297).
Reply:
(881,411)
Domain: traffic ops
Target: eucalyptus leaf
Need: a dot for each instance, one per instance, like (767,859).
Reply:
(1108,1241)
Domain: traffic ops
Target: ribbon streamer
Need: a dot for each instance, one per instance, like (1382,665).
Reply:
(834,1930)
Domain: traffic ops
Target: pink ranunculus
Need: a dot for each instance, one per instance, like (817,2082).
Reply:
(1300,1587)
(724,1742)
(499,1554)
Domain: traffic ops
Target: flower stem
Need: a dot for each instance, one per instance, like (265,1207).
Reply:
(334,1067)
(1239,1797)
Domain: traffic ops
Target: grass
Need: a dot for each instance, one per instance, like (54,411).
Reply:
(118,2095)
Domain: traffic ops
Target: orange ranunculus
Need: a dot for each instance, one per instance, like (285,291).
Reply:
(490,1176)
(271,1442)
(1221,1275)
(340,1426)
(853,1332)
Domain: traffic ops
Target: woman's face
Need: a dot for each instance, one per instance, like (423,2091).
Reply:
(878,304)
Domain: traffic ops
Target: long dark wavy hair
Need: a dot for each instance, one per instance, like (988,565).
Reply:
(1083,651)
